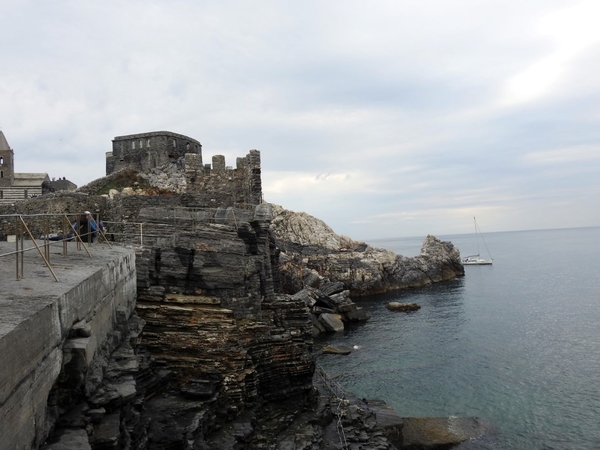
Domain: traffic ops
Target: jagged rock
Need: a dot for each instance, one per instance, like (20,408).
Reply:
(364,270)
(332,288)
(107,432)
(332,322)
(69,439)
(397,306)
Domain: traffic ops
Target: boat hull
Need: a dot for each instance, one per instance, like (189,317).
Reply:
(477,262)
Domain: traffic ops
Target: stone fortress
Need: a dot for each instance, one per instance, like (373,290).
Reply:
(214,185)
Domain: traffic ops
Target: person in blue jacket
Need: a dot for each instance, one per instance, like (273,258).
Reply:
(89,227)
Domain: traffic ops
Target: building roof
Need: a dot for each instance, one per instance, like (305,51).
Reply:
(29,179)
(3,143)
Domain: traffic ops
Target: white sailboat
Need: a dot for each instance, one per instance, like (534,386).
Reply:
(473,260)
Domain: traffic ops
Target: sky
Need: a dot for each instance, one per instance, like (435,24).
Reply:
(382,118)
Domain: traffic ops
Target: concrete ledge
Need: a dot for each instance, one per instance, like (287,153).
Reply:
(36,315)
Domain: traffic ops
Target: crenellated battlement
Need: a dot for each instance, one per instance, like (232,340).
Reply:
(213,184)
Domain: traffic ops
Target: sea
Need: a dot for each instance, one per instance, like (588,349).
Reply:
(516,344)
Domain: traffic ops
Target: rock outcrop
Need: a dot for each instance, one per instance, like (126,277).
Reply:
(404,307)
(311,249)
(219,353)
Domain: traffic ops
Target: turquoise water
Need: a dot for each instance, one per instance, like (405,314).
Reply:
(516,344)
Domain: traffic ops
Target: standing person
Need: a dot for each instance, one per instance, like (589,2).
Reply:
(88,227)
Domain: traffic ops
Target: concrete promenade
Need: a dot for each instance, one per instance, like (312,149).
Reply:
(36,316)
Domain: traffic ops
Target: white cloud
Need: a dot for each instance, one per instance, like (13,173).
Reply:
(572,30)
(568,155)
(364,113)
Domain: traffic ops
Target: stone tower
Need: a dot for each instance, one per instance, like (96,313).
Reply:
(7,168)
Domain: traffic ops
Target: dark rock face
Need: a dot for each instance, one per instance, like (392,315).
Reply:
(329,313)
(219,357)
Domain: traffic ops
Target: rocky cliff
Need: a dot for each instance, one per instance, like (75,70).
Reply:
(312,252)
(217,355)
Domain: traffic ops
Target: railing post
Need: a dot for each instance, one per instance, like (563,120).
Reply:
(18,257)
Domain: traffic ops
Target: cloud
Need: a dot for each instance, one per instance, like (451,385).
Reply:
(568,155)
(363,112)
(572,30)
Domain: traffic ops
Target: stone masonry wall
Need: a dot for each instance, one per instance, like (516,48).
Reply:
(223,186)
(145,151)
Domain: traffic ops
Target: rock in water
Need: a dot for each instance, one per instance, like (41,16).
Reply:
(397,306)
(308,243)
(336,350)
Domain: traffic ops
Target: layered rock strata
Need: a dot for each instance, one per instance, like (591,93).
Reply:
(312,249)
(219,357)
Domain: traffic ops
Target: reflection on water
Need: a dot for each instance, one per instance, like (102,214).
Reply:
(515,343)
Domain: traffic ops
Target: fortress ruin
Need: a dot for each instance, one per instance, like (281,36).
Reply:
(213,184)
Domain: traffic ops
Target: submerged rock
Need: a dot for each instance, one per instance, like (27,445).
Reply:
(336,350)
(441,432)
(397,306)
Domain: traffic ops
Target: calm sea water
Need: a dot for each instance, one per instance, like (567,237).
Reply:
(516,344)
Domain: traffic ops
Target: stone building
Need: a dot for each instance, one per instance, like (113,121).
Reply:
(17,186)
(212,185)
(145,151)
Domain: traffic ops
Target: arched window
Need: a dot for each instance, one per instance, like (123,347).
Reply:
(148,143)
(1,160)
(25,193)
(141,143)
(1,193)
(133,145)
(174,143)
(1,174)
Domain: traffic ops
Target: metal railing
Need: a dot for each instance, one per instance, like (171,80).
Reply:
(23,224)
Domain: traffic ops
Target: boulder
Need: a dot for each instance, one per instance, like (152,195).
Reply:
(336,350)
(441,432)
(332,322)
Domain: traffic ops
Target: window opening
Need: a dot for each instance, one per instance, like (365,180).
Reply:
(133,144)
(1,160)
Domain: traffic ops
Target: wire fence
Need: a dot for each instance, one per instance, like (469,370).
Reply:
(340,395)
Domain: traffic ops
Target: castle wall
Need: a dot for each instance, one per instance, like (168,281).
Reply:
(222,186)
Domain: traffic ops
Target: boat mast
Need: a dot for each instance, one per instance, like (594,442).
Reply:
(478,232)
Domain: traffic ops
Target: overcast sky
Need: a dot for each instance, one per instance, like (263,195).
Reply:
(383,118)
